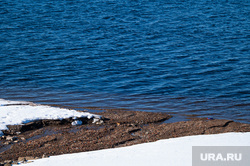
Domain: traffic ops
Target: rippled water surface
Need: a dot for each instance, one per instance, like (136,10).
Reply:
(185,57)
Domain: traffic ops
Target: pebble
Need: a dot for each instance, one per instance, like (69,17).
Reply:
(10,138)
(23,139)
(25,159)
(7,163)
(21,159)
(99,122)
(6,143)
(47,145)
(45,156)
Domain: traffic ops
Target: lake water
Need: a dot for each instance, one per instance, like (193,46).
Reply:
(181,57)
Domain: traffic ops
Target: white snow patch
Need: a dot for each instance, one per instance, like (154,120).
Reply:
(17,112)
(6,102)
(174,151)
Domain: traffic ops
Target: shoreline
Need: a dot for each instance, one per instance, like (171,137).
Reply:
(119,129)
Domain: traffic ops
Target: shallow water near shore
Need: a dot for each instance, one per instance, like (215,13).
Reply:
(185,58)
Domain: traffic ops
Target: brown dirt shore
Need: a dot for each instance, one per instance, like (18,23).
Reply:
(118,128)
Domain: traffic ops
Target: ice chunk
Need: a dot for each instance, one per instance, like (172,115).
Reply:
(76,123)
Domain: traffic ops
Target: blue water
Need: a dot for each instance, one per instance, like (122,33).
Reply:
(181,57)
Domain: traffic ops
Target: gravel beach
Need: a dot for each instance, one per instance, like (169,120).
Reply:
(118,128)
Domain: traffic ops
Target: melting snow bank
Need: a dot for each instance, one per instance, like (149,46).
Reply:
(17,112)
(173,151)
